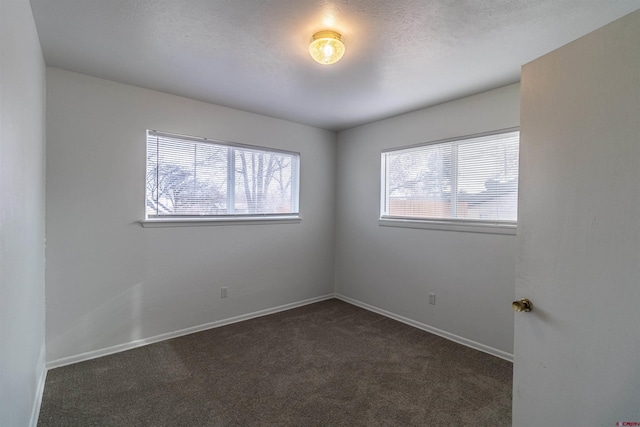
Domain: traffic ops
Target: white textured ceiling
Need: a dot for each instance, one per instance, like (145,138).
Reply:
(252,54)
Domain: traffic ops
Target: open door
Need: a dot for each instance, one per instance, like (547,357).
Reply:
(577,352)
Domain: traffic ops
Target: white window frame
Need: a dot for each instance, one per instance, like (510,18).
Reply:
(228,219)
(445,224)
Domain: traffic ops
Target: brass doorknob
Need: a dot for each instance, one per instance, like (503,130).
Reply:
(522,305)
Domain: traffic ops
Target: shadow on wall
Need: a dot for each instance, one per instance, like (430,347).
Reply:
(120,313)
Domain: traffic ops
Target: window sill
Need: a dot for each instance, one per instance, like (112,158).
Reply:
(202,222)
(467,227)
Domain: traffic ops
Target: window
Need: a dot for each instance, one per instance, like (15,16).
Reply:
(472,180)
(197,178)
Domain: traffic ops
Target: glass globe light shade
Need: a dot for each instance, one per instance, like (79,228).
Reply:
(326,47)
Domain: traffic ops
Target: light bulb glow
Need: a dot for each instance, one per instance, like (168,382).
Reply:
(326,47)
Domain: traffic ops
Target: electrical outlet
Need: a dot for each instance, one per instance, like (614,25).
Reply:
(223,292)
(432,298)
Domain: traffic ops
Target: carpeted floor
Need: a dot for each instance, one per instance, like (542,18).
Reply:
(325,364)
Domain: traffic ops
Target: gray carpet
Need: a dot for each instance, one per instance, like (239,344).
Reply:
(325,364)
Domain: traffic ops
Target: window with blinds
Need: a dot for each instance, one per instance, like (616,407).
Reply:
(189,177)
(470,180)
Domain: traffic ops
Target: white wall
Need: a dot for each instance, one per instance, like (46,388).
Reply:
(22,150)
(110,281)
(577,354)
(394,269)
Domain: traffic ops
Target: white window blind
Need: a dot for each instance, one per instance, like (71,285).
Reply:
(473,179)
(189,177)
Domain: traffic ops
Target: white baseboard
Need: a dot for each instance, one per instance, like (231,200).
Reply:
(169,335)
(146,341)
(42,377)
(444,334)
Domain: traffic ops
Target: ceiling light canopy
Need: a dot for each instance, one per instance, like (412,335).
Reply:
(326,47)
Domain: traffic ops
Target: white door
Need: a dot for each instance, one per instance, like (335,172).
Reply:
(577,353)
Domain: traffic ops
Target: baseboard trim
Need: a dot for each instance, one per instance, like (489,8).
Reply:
(169,335)
(42,378)
(444,334)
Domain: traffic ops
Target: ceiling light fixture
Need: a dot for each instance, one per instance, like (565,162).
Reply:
(326,47)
